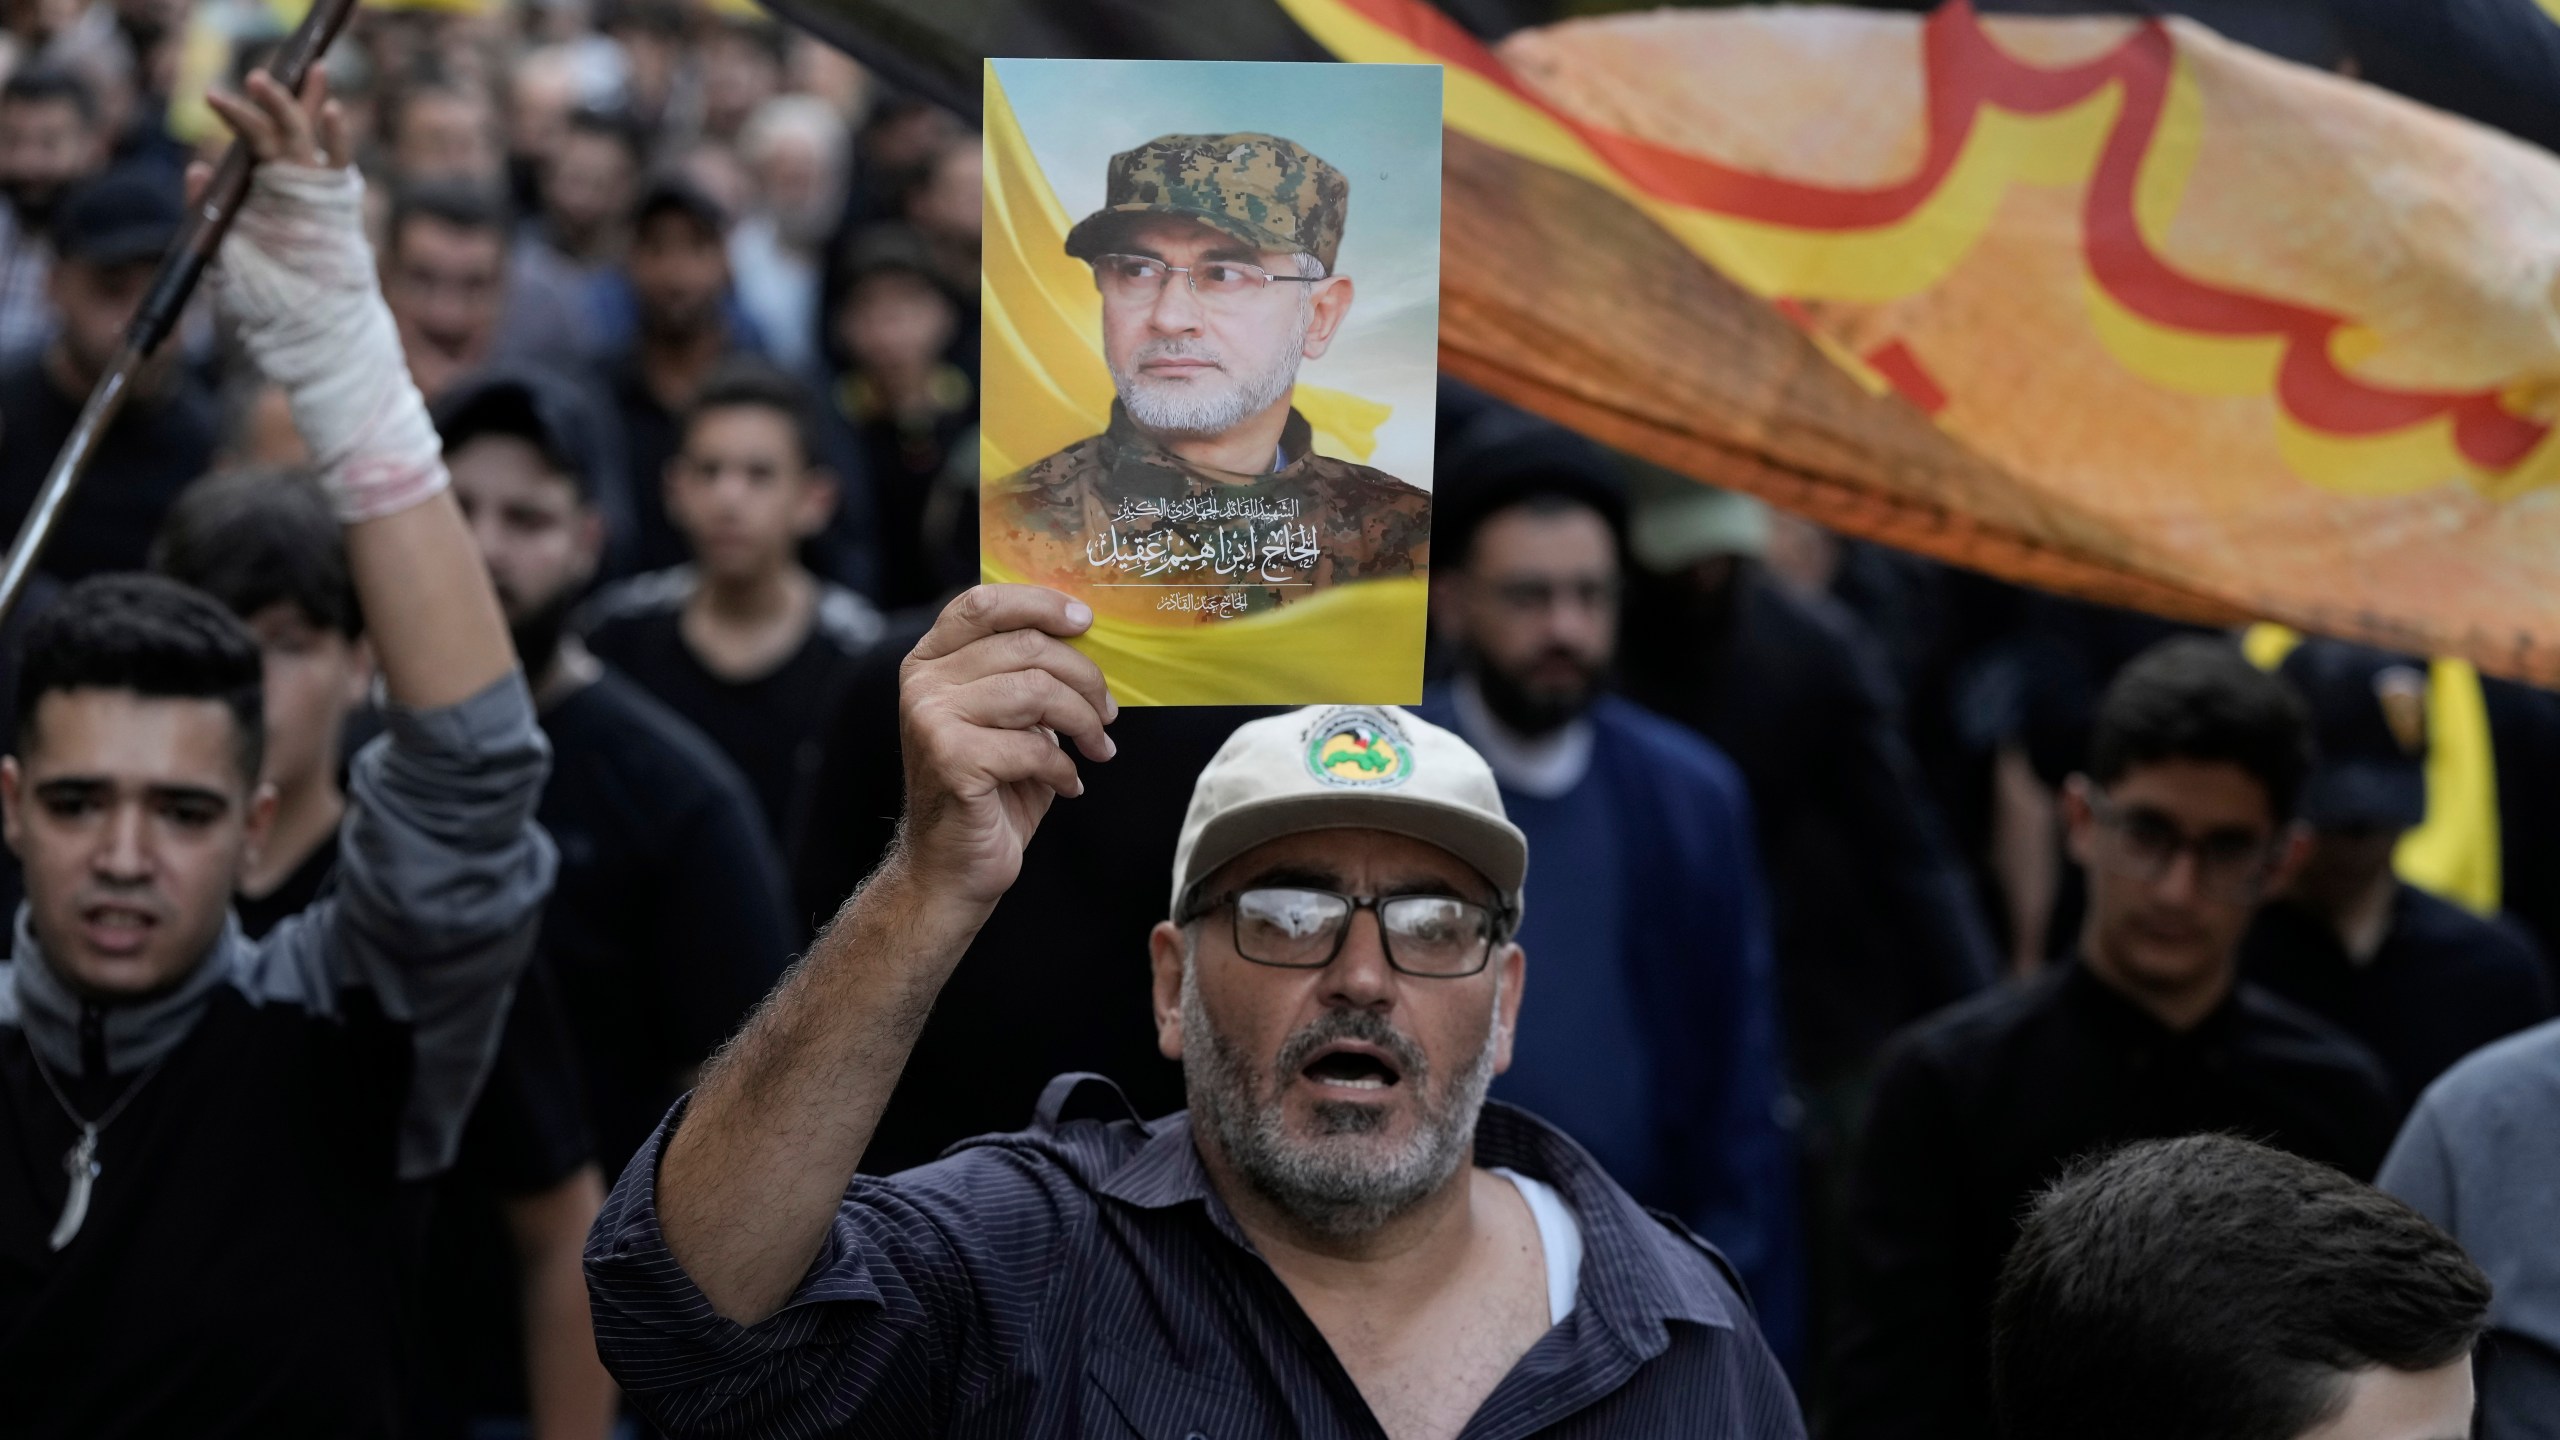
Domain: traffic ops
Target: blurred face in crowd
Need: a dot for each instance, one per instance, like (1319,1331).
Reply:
(951,203)
(820,69)
(2177,853)
(794,171)
(739,73)
(541,91)
(679,271)
(45,147)
(2388,1404)
(447,135)
(896,321)
(1344,1094)
(541,539)
(2342,865)
(587,190)
(315,677)
(95,303)
(446,285)
(1198,362)
(133,818)
(1535,609)
(744,494)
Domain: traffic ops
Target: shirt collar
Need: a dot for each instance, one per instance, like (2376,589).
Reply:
(1544,767)
(1297,438)
(2115,1015)
(1637,1273)
(135,1034)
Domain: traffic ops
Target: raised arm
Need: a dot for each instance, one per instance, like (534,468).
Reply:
(753,1174)
(443,872)
(298,279)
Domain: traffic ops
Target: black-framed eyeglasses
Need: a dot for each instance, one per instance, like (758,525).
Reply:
(1140,279)
(1436,937)
(2230,864)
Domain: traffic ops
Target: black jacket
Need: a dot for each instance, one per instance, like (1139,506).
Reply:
(239,1270)
(1982,1105)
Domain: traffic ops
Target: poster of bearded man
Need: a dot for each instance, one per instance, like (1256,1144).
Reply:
(1209,332)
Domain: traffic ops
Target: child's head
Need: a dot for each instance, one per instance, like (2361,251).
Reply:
(265,544)
(746,486)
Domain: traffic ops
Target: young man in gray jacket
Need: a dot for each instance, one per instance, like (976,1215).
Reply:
(203,1138)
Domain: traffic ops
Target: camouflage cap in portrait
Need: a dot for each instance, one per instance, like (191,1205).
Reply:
(1270,193)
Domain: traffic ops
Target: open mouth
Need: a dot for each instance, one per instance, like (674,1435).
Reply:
(1352,1067)
(117,929)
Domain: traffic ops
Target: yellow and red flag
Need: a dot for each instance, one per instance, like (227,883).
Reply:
(2108,306)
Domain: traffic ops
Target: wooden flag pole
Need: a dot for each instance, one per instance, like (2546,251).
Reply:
(198,239)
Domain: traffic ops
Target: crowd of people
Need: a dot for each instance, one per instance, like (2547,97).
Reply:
(499,636)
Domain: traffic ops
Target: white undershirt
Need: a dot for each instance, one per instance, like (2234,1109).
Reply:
(1545,767)
(1559,1235)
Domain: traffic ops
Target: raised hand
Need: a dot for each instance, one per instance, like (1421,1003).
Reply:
(985,703)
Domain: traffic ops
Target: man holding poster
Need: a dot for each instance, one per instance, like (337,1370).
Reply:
(1214,256)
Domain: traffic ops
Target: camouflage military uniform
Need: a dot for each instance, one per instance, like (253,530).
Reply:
(1125,523)
(1133,528)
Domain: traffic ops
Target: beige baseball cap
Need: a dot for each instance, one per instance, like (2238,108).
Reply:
(1345,767)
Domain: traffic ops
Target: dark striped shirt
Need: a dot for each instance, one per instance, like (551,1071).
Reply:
(1081,1278)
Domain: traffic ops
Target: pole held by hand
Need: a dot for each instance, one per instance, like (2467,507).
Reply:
(198,241)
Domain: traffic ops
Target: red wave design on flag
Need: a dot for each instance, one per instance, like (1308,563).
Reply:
(1967,71)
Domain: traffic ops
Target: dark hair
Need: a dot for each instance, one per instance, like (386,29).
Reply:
(2198,698)
(1504,460)
(456,203)
(52,84)
(154,637)
(2209,1288)
(424,81)
(773,39)
(613,124)
(749,383)
(649,17)
(258,537)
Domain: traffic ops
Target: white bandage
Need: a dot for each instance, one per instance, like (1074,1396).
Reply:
(297,279)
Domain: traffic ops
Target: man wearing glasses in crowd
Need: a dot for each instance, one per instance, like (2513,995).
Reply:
(1340,1236)
(1215,256)
(2182,823)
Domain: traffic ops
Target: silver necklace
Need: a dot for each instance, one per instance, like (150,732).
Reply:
(80,1162)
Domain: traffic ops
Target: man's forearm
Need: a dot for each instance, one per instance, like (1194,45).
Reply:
(752,1176)
(428,608)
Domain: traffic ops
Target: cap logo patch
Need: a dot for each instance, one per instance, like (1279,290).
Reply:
(2403,693)
(1359,750)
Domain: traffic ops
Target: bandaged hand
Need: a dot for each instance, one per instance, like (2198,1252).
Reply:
(296,278)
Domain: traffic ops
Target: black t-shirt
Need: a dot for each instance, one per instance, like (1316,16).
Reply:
(2444,983)
(669,920)
(1980,1106)
(527,1133)
(157,446)
(768,725)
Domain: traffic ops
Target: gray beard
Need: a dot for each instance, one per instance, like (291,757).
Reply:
(1186,409)
(1335,1186)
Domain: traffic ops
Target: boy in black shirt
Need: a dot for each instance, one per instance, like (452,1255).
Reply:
(670,918)
(2181,824)
(264,543)
(744,642)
